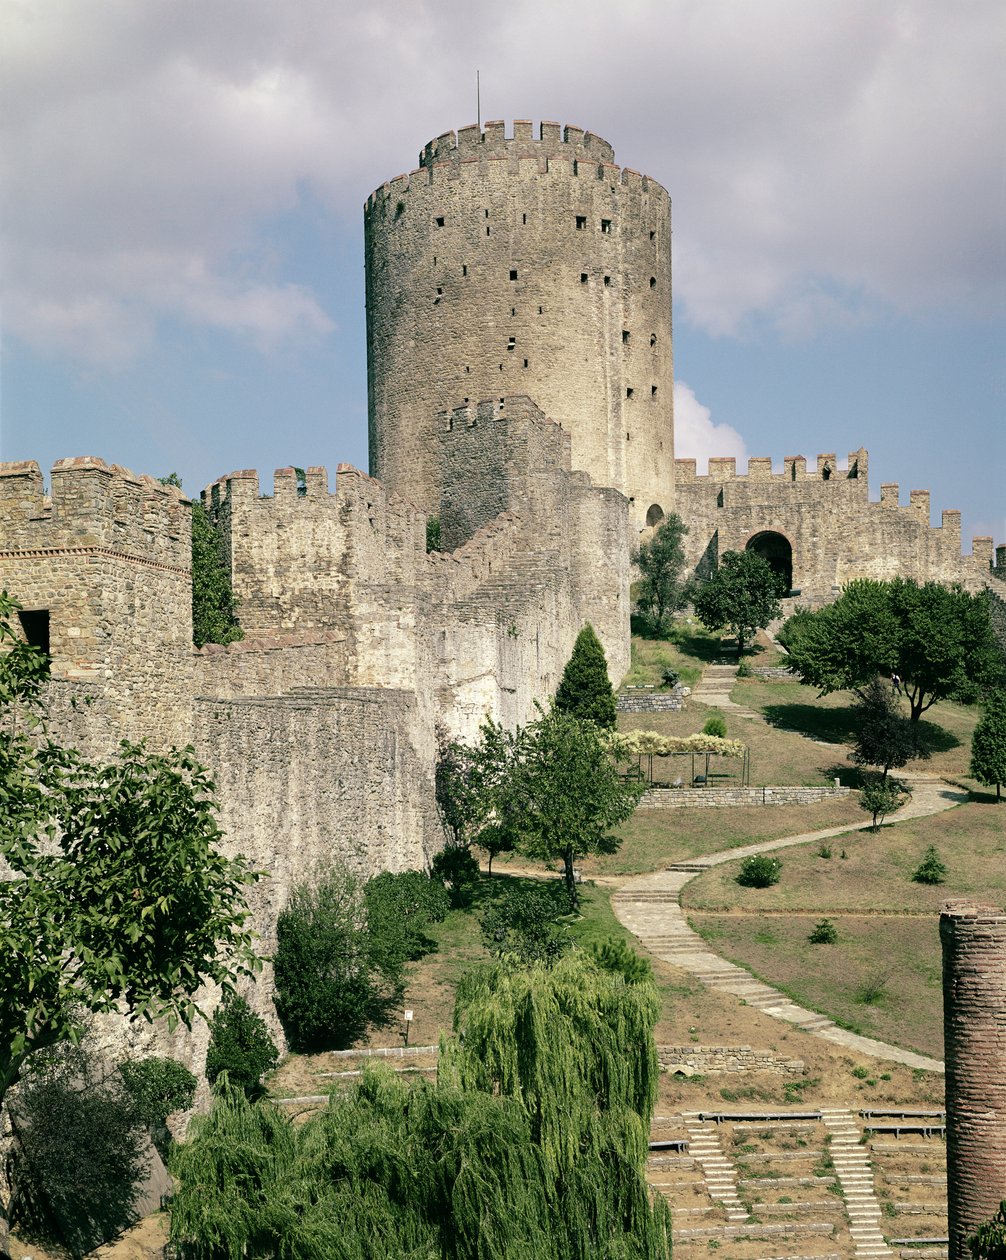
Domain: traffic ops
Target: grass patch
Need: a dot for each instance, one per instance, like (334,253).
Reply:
(686,650)
(654,838)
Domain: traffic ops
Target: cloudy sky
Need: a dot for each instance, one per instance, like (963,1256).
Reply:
(183,183)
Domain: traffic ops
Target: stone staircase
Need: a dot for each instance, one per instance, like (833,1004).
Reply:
(855,1176)
(714,689)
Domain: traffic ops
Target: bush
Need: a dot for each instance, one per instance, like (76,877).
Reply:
(759,871)
(327,987)
(240,1045)
(459,868)
(988,1242)
(715,726)
(77,1160)
(743,670)
(524,923)
(825,933)
(158,1087)
(400,908)
(617,956)
(670,677)
(930,870)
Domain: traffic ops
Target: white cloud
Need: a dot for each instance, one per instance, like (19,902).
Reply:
(827,161)
(697,437)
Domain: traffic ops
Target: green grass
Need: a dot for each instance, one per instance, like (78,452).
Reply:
(687,649)
(654,838)
(882,976)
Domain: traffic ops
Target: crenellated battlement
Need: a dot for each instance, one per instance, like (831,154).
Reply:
(94,505)
(759,468)
(553,140)
(574,154)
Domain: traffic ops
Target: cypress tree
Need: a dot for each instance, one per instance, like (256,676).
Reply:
(585,691)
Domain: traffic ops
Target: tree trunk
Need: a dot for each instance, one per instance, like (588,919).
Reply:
(490,863)
(567,857)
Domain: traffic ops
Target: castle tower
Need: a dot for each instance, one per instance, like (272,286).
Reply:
(974,1035)
(530,266)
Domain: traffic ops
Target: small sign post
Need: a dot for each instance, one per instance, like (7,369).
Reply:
(408,1025)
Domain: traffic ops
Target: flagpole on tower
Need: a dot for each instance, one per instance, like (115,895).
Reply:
(478,100)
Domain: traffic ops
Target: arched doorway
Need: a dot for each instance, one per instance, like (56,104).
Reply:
(654,514)
(775,549)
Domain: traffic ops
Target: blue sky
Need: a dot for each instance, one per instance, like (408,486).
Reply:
(182,223)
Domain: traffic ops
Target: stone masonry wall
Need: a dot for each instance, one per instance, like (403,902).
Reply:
(835,531)
(107,556)
(974,1037)
(522,265)
(725,798)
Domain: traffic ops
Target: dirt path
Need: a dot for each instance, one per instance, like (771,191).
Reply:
(649,906)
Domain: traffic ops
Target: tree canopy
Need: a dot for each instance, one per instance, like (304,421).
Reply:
(114,894)
(988,743)
(560,794)
(741,595)
(939,639)
(531,1142)
(585,690)
(214,613)
(660,561)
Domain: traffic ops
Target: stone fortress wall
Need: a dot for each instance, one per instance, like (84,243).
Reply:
(522,265)
(823,520)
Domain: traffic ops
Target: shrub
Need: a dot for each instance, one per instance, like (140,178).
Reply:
(988,1242)
(759,871)
(240,1045)
(670,677)
(930,870)
(715,726)
(327,987)
(743,670)
(825,933)
(616,955)
(524,923)
(824,851)
(400,908)
(77,1159)
(158,1087)
(433,533)
(459,868)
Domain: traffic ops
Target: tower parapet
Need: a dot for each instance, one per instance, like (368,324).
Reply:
(531,266)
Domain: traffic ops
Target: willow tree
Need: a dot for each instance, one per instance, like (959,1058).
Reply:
(531,1142)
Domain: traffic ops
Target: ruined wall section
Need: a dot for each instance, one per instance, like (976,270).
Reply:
(835,531)
(107,557)
(522,265)
(974,1036)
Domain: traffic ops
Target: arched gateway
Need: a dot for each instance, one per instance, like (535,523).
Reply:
(775,548)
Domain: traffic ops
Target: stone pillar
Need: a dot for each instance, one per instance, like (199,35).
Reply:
(974,1031)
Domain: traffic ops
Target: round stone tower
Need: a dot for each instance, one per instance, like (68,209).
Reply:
(974,1039)
(523,265)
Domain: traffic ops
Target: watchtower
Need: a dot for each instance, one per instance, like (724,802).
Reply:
(522,265)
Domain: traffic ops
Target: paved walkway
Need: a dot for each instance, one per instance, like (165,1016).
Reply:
(649,906)
(714,688)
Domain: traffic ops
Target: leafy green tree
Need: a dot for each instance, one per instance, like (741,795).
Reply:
(886,738)
(660,560)
(531,1142)
(585,690)
(988,743)
(240,1045)
(524,923)
(77,1159)
(470,792)
(938,639)
(118,897)
(742,595)
(327,988)
(615,955)
(214,615)
(879,797)
(931,870)
(560,793)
